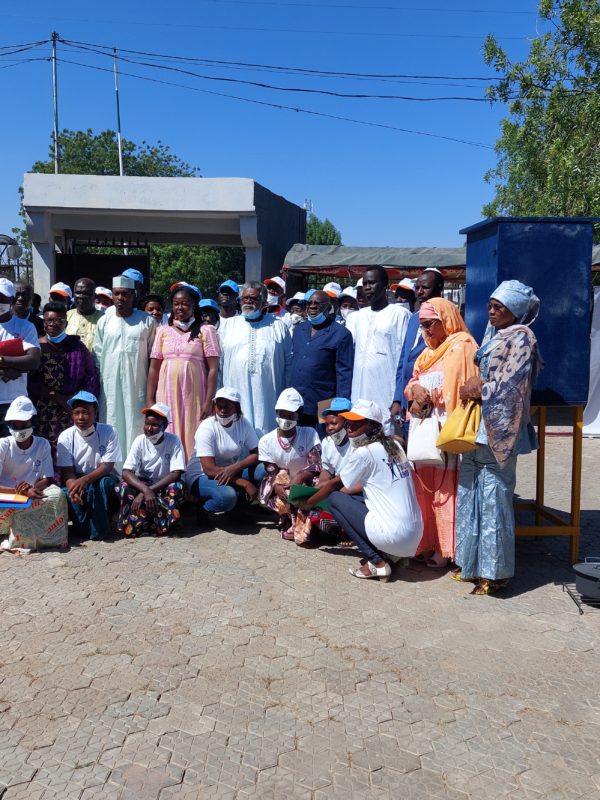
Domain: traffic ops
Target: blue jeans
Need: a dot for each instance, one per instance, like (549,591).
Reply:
(93,516)
(218,498)
(349,511)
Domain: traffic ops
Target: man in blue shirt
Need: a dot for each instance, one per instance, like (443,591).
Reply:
(323,357)
(430,283)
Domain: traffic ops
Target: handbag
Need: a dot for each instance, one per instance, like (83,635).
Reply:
(422,438)
(460,430)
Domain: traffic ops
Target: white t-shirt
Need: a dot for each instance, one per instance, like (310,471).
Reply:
(25,465)
(17,328)
(393,523)
(85,454)
(294,459)
(151,462)
(333,455)
(226,445)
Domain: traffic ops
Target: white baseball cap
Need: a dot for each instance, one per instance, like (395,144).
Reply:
(61,288)
(7,288)
(228,393)
(349,291)
(332,289)
(160,409)
(102,291)
(359,282)
(364,409)
(289,400)
(297,298)
(279,281)
(21,409)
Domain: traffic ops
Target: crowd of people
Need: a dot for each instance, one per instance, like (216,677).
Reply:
(117,407)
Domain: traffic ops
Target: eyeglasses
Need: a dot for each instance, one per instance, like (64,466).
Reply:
(428,323)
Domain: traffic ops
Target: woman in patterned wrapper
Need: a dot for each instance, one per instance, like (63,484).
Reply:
(509,363)
(439,372)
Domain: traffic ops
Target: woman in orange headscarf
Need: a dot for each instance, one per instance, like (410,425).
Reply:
(441,369)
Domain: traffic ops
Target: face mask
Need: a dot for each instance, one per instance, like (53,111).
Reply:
(156,438)
(345,312)
(358,440)
(56,339)
(286,424)
(339,436)
(318,320)
(403,304)
(272,299)
(296,318)
(86,431)
(21,436)
(184,326)
(4,308)
(225,421)
(98,307)
(251,316)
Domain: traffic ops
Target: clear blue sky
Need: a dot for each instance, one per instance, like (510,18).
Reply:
(378,186)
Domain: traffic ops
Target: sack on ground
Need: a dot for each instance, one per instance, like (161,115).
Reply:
(42,525)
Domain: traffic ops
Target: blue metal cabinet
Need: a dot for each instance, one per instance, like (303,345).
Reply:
(554,256)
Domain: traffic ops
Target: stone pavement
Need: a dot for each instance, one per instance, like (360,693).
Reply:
(225,665)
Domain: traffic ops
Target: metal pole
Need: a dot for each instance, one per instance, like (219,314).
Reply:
(55,96)
(119,144)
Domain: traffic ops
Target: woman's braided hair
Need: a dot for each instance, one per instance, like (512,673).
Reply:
(391,444)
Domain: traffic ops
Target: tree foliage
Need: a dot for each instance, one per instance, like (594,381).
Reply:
(205,267)
(321,231)
(549,150)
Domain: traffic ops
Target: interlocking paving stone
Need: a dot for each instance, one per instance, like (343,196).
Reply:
(223,666)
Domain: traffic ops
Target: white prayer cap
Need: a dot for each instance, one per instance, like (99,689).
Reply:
(121,282)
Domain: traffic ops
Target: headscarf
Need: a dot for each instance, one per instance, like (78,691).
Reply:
(519,299)
(457,350)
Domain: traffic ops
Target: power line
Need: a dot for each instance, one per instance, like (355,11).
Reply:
(285,107)
(369,8)
(275,67)
(293,89)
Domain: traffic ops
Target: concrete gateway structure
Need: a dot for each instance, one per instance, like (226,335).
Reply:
(63,210)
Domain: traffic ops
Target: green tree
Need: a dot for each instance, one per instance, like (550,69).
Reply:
(549,149)
(321,231)
(205,267)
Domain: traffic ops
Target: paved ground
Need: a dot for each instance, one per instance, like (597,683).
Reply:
(224,665)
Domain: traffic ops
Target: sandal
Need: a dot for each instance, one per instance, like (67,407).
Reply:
(486,587)
(383,573)
(456,575)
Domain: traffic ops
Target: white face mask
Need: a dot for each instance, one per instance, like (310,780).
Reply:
(86,431)
(296,318)
(226,421)
(286,424)
(184,326)
(363,438)
(98,307)
(339,436)
(21,436)
(272,299)
(345,312)
(156,438)
(4,308)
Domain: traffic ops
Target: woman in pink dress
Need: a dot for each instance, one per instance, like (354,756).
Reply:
(184,366)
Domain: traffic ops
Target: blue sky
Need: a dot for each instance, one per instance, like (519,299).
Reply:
(378,186)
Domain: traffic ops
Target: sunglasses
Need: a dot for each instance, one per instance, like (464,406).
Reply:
(428,323)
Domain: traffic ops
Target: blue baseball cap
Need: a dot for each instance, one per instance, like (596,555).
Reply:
(309,294)
(337,405)
(231,285)
(134,274)
(209,304)
(85,397)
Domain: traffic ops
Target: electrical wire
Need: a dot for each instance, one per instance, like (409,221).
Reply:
(272,87)
(284,107)
(367,8)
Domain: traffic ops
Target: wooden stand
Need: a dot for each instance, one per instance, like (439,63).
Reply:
(547,522)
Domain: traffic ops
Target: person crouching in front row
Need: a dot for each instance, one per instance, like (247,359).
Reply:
(152,490)
(86,455)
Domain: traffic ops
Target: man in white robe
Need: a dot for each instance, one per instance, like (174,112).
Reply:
(257,355)
(122,348)
(378,331)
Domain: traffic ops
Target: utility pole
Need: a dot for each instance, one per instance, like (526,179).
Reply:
(55,96)
(119,143)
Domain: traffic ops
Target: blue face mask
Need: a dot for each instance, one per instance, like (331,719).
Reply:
(253,315)
(318,320)
(56,339)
